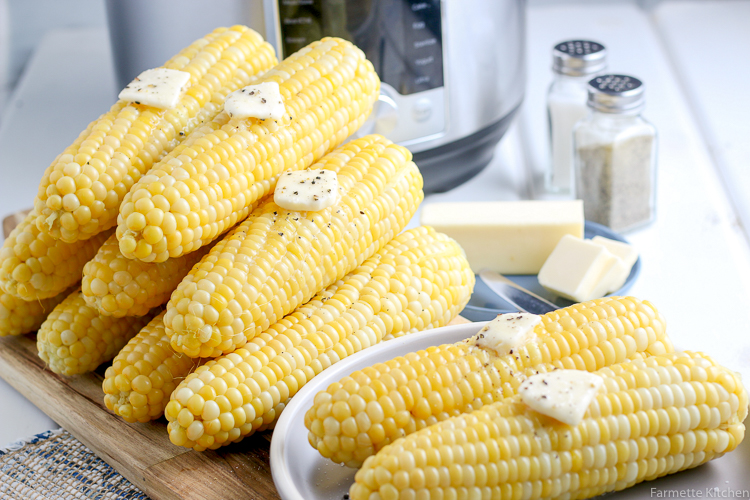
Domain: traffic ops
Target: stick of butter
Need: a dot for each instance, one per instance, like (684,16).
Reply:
(510,237)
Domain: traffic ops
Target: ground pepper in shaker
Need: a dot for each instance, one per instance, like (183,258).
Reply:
(615,155)
(574,63)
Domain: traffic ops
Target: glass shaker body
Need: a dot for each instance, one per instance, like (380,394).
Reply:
(574,63)
(615,168)
(566,105)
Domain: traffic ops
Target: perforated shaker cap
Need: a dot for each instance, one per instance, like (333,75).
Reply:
(615,93)
(579,58)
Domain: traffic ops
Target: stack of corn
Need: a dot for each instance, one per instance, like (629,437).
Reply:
(278,298)
(67,240)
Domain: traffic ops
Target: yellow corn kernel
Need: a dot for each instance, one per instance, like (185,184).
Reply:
(18,316)
(278,259)
(117,286)
(80,193)
(143,375)
(422,388)
(35,266)
(653,417)
(245,391)
(76,339)
(209,183)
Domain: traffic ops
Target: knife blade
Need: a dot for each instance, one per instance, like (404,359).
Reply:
(515,294)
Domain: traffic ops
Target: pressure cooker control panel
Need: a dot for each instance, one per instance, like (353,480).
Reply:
(404,41)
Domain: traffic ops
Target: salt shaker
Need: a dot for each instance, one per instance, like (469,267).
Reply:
(615,155)
(574,62)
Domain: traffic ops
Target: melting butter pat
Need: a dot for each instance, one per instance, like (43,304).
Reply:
(564,395)
(627,256)
(507,332)
(510,237)
(158,87)
(307,190)
(262,100)
(577,269)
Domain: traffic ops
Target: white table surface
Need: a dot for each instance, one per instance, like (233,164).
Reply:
(696,259)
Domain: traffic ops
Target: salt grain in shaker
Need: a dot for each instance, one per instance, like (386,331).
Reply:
(615,155)
(574,63)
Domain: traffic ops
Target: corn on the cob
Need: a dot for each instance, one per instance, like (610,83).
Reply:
(419,280)
(150,356)
(81,192)
(118,286)
(75,338)
(278,259)
(372,407)
(143,375)
(208,183)
(19,316)
(654,417)
(34,266)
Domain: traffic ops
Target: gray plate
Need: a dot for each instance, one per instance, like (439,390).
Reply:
(300,473)
(484,305)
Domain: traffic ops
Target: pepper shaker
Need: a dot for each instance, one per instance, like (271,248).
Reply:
(615,155)
(574,63)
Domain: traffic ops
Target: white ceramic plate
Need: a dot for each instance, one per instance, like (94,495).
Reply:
(300,473)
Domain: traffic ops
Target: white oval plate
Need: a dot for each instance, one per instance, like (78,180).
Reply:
(301,473)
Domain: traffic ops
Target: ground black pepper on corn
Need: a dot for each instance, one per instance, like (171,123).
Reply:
(615,181)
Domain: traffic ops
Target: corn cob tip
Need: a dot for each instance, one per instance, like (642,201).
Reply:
(35,266)
(118,286)
(143,375)
(18,316)
(75,338)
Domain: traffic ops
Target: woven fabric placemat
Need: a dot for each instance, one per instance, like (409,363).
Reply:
(54,465)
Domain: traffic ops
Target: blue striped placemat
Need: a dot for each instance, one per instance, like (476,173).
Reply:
(55,465)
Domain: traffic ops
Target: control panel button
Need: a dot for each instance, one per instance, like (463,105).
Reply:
(422,109)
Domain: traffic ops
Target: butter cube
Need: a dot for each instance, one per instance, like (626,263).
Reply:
(158,87)
(262,100)
(510,237)
(576,269)
(627,254)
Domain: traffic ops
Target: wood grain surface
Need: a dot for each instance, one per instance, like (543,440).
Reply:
(140,452)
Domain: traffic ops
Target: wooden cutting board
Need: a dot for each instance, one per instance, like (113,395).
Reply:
(140,452)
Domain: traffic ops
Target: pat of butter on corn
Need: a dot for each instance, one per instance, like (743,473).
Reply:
(507,332)
(564,395)
(307,190)
(262,100)
(158,87)
(510,237)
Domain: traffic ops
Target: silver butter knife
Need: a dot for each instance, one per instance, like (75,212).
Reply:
(516,295)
